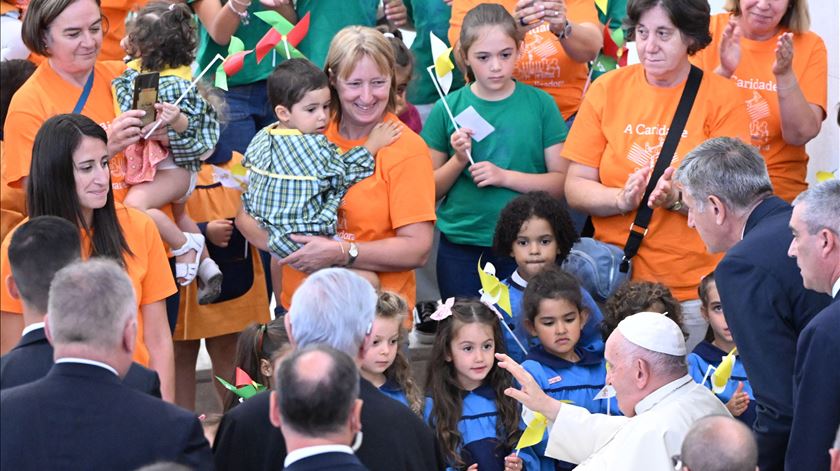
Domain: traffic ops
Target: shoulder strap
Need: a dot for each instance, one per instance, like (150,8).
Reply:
(80,104)
(639,227)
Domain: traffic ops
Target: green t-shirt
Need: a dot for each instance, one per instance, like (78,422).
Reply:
(428,16)
(328,17)
(250,35)
(526,123)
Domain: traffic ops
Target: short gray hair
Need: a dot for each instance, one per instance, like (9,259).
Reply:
(822,207)
(90,303)
(727,168)
(661,364)
(719,443)
(334,306)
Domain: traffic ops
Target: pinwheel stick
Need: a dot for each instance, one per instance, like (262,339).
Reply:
(194,82)
(709,371)
(431,72)
(515,338)
(286,45)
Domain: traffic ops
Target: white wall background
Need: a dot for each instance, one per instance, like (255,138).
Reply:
(824,150)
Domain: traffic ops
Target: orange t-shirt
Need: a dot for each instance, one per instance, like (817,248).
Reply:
(621,126)
(12,204)
(543,63)
(44,95)
(400,192)
(786,164)
(148,268)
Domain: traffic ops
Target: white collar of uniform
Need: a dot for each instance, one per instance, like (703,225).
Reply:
(31,327)
(836,288)
(308,451)
(517,278)
(85,361)
(655,397)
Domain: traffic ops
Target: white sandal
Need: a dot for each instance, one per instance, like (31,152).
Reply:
(188,271)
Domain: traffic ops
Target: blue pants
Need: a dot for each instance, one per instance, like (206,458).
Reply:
(248,112)
(457,271)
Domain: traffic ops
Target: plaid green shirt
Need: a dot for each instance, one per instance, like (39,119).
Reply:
(296,182)
(202,133)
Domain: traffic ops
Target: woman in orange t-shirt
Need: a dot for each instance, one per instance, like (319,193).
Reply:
(70,179)
(620,129)
(385,222)
(68,33)
(766,49)
(561,37)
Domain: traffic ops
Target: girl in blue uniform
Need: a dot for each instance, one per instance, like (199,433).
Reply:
(536,231)
(738,393)
(384,363)
(474,422)
(554,313)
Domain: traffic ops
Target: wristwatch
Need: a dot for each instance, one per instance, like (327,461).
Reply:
(567,30)
(678,205)
(353,252)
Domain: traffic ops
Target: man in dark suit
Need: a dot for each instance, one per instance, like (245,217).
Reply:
(731,204)
(81,416)
(38,249)
(815,224)
(316,405)
(333,307)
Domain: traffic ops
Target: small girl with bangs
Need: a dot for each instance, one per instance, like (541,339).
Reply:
(256,348)
(384,363)
(554,313)
(521,154)
(163,39)
(535,229)
(475,423)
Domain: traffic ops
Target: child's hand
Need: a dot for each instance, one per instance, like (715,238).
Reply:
(167,112)
(488,174)
(219,232)
(739,402)
(461,141)
(513,462)
(383,134)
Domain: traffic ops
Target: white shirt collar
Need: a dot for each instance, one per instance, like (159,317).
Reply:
(836,288)
(657,396)
(308,451)
(517,278)
(31,327)
(85,361)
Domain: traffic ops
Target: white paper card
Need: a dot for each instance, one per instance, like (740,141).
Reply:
(469,118)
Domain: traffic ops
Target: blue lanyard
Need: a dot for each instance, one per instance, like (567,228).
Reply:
(84,96)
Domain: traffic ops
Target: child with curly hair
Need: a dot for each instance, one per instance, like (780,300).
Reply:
(639,296)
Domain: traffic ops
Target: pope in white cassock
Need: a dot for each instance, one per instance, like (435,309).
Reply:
(646,366)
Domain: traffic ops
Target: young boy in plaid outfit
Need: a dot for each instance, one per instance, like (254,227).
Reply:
(297,178)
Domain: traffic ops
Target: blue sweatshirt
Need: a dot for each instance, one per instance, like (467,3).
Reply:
(578,383)
(706,354)
(590,338)
(478,432)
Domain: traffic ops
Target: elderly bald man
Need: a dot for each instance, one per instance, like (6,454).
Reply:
(719,443)
(646,366)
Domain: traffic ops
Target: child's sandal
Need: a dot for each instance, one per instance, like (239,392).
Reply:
(188,271)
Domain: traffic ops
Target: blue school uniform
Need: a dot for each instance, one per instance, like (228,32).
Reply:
(477,427)
(706,354)
(590,336)
(393,390)
(563,380)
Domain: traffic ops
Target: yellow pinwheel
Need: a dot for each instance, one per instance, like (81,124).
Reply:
(723,372)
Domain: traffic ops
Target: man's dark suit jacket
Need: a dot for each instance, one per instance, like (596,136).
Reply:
(816,392)
(766,308)
(82,417)
(333,461)
(32,358)
(394,439)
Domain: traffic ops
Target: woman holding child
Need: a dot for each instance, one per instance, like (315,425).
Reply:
(385,221)
(622,124)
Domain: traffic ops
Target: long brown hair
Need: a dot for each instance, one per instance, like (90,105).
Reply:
(392,306)
(257,342)
(447,393)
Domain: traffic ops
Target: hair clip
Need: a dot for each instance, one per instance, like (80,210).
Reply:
(389,35)
(443,311)
(171,6)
